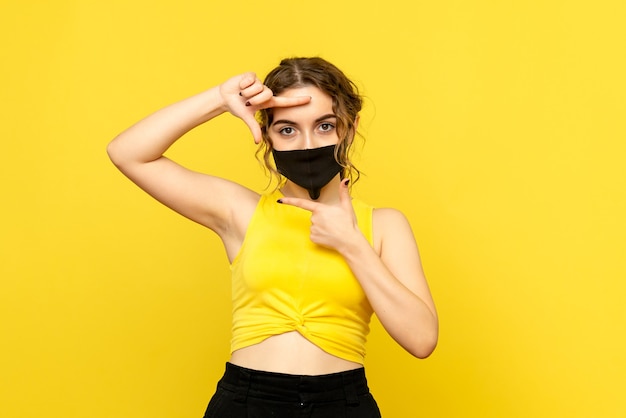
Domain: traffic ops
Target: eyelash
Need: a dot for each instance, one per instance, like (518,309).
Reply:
(329,126)
(282,130)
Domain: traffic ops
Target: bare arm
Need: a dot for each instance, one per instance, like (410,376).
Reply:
(208,200)
(394,282)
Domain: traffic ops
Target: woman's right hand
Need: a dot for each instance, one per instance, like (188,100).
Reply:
(245,94)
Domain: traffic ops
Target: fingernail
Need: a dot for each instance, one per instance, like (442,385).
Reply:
(247,103)
(279,201)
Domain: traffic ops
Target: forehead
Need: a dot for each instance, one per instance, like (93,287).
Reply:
(320,104)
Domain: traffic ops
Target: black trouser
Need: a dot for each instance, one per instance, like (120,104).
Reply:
(246,393)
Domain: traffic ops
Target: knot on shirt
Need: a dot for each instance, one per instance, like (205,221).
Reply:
(300,324)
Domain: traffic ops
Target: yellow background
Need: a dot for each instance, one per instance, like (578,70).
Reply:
(497,127)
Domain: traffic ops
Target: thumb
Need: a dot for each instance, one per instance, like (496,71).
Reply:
(254,127)
(344,194)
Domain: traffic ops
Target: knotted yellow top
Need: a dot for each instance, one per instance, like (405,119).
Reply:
(282,281)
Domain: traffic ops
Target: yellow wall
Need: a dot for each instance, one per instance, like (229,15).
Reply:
(497,127)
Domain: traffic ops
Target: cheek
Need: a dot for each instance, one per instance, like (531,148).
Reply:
(280,144)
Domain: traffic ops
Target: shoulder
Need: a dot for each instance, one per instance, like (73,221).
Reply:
(389,224)
(386,218)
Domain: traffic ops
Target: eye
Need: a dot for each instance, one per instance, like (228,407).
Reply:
(287,130)
(326,127)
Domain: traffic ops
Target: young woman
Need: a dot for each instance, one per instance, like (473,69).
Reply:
(310,265)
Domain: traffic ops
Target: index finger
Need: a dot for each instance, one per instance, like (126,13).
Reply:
(299,203)
(281,101)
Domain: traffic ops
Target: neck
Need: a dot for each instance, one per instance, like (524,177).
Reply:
(328,195)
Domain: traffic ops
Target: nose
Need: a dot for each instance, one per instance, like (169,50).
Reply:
(308,140)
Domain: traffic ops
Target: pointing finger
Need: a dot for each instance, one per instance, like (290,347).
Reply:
(280,101)
(299,203)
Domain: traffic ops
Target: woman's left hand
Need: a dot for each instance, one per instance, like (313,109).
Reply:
(332,226)
(393,280)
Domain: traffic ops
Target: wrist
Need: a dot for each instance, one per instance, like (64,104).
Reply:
(355,247)
(213,103)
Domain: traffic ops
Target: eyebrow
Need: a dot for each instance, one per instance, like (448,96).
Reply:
(321,118)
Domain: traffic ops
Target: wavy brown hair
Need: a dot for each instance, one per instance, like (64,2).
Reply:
(347,103)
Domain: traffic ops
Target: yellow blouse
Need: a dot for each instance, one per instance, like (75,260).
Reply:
(281,282)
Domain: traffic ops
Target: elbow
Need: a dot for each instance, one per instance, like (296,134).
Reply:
(424,350)
(117,154)
(113,153)
(425,344)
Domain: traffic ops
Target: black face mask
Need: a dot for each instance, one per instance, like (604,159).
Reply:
(311,169)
